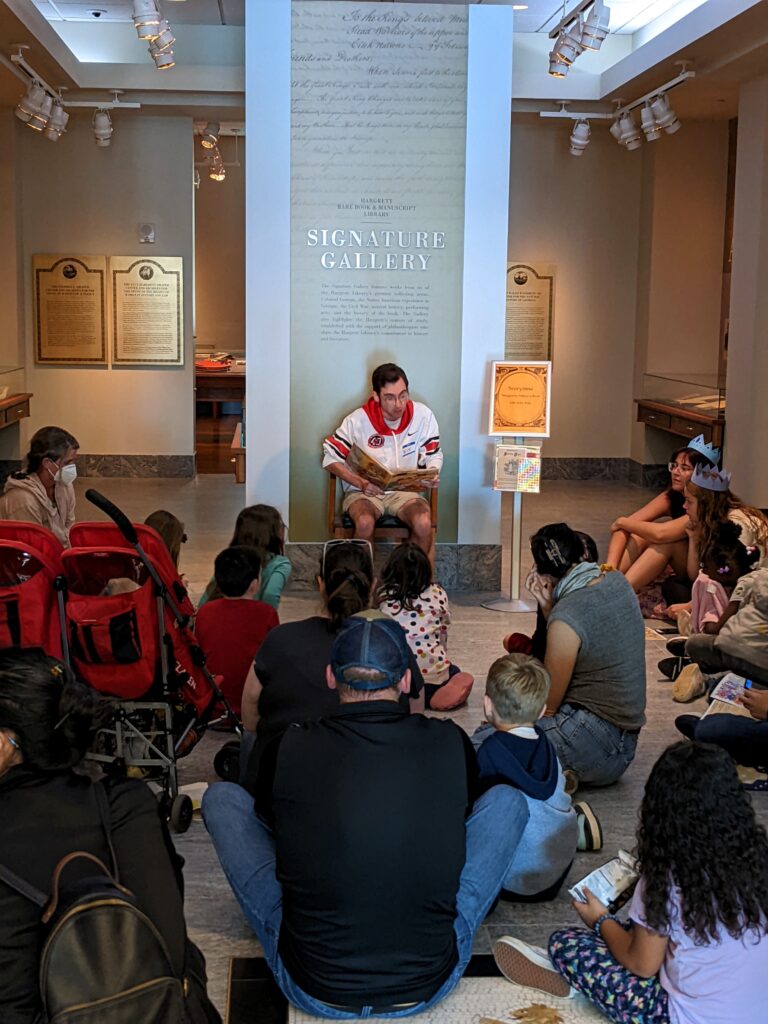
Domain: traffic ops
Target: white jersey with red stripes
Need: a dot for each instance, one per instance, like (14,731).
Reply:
(413,443)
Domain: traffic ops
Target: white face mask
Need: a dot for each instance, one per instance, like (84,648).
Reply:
(67,474)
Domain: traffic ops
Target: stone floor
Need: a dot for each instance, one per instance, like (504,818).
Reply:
(208,507)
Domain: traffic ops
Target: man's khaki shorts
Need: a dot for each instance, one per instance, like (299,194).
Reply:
(390,502)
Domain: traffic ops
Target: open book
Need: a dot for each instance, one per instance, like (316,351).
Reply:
(612,883)
(388,480)
(726,697)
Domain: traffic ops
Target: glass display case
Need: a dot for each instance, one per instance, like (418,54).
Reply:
(684,404)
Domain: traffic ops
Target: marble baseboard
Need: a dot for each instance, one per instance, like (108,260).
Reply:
(653,476)
(463,567)
(585,469)
(136,465)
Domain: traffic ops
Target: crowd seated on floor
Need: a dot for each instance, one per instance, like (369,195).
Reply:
(366,840)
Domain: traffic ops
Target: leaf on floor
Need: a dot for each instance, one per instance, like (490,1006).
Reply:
(537,1013)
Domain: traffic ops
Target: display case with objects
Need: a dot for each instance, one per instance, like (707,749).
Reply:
(684,404)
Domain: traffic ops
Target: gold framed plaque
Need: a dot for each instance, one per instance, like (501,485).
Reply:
(529,311)
(520,399)
(70,309)
(147,310)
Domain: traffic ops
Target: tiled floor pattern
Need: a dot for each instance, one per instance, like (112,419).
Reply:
(208,507)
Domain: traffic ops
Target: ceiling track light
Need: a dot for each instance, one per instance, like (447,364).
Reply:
(574,33)
(146,18)
(209,137)
(102,128)
(595,26)
(580,138)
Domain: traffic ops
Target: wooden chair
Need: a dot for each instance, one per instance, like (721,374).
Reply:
(388,528)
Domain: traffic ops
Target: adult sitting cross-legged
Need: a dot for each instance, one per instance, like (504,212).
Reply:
(398,433)
(364,869)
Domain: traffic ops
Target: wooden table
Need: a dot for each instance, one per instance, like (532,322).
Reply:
(14,408)
(677,419)
(220,386)
(238,454)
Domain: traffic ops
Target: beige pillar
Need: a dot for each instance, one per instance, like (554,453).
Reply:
(746,451)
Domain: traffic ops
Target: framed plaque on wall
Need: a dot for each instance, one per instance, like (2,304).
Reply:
(530,311)
(520,398)
(147,310)
(70,309)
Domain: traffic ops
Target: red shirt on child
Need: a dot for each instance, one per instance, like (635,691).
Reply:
(230,631)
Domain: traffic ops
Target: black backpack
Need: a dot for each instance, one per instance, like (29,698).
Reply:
(102,960)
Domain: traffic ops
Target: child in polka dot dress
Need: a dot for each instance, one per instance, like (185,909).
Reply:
(408,595)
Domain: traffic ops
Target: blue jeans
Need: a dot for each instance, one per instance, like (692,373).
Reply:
(596,750)
(745,739)
(246,850)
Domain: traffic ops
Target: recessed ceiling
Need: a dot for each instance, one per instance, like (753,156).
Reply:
(190,12)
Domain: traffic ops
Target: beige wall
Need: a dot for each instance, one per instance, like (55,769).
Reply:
(582,214)
(680,264)
(220,253)
(78,198)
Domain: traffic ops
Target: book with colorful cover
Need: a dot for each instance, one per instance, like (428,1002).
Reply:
(389,479)
(612,883)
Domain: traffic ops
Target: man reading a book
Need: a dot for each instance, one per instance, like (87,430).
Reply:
(399,435)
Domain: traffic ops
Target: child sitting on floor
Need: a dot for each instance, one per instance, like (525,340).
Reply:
(695,949)
(513,750)
(408,595)
(230,629)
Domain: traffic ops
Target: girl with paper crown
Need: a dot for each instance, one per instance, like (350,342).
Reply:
(640,546)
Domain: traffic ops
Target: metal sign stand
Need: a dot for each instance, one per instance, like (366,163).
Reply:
(514,603)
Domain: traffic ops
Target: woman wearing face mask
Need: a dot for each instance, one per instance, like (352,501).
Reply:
(44,493)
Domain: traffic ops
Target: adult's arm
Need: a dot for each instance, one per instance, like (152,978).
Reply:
(336,448)
(22,507)
(430,452)
(249,704)
(148,863)
(654,533)
(563,645)
(654,509)
(262,782)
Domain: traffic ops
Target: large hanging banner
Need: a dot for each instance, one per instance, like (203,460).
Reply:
(70,308)
(147,310)
(530,311)
(378,123)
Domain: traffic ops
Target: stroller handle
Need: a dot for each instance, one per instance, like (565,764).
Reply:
(120,519)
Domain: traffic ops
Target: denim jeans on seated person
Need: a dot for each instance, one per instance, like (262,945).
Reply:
(597,751)
(745,739)
(246,850)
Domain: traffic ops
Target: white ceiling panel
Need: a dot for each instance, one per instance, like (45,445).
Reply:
(189,12)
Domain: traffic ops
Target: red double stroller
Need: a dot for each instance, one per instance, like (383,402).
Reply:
(116,611)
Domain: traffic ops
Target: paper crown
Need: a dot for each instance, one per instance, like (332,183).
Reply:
(698,444)
(710,478)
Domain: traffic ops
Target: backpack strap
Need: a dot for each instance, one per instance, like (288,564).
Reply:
(23,887)
(102,805)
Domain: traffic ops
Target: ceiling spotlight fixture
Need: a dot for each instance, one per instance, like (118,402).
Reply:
(595,27)
(30,103)
(580,138)
(146,18)
(163,58)
(210,136)
(102,128)
(568,45)
(665,116)
(39,118)
(630,136)
(615,130)
(648,123)
(57,122)
(164,39)
(217,171)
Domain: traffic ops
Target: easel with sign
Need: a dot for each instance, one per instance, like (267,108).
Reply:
(520,399)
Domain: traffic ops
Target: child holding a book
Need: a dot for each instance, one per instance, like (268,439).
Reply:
(408,595)
(513,750)
(695,947)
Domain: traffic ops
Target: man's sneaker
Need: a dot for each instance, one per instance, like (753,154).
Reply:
(689,685)
(590,830)
(528,966)
(571,781)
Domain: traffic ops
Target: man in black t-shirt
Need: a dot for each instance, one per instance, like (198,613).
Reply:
(367,871)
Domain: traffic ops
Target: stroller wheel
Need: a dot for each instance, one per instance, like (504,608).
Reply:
(181,813)
(226,763)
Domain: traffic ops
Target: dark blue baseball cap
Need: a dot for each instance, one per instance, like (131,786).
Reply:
(377,644)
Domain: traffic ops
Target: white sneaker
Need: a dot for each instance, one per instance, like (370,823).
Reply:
(529,966)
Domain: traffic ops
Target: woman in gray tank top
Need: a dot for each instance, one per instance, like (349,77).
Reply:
(595,657)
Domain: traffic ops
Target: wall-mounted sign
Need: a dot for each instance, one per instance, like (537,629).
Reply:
(530,309)
(520,399)
(147,310)
(70,310)
(517,468)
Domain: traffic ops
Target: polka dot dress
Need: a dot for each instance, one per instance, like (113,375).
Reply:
(426,626)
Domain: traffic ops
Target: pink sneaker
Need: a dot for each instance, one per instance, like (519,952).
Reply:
(453,693)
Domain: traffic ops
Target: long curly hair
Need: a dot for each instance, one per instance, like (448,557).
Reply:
(698,835)
(714,506)
(405,577)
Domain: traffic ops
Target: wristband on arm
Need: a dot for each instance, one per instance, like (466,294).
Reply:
(597,926)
